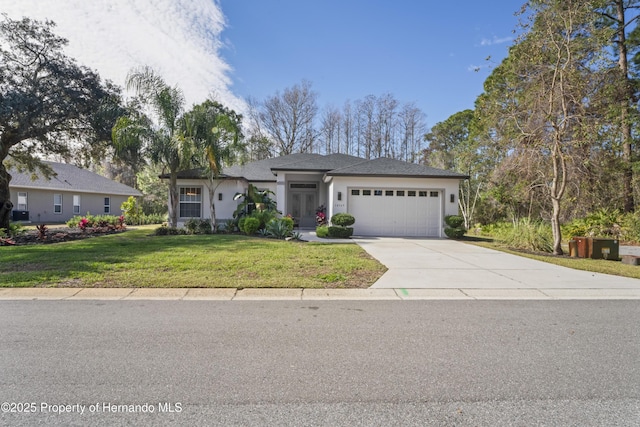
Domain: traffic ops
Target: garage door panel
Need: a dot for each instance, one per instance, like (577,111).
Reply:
(398,214)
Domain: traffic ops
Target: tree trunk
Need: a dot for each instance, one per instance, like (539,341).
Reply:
(627,173)
(173,199)
(212,186)
(555,227)
(5,198)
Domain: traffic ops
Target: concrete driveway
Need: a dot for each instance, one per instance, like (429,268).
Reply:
(416,263)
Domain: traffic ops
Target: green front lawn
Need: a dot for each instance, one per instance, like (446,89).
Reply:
(136,259)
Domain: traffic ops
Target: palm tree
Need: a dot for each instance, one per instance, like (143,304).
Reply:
(169,147)
(216,134)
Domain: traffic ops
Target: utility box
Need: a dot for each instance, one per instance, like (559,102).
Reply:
(582,247)
(604,249)
(19,215)
(573,248)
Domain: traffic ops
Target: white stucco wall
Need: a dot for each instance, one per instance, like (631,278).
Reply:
(342,184)
(228,189)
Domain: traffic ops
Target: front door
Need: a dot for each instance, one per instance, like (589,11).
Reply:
(303,207)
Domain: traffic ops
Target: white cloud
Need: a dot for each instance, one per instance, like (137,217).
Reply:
(495,40)
(180,39)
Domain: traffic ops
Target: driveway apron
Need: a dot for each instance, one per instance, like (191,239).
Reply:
(416,263)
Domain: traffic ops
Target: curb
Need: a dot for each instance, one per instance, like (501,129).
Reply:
(288,294)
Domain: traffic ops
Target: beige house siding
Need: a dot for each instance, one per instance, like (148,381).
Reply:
(40,204)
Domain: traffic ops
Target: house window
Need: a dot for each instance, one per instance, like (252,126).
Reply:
(57,203)
(377,192)
(400,193)
(366,192)
(355,192)
(190,202)
(76,204)
(22,201)
(388,192)
(107,205)
(422,194)
(434,194)
(411,193)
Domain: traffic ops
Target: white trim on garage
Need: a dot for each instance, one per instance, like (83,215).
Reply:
(396,211)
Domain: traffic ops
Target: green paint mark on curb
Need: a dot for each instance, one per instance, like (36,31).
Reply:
(404,292)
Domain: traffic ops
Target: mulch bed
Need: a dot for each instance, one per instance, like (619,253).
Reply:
(59,235)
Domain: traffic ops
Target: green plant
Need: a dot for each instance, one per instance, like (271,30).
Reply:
(322,231)
(278,228)
(131,210)
(455,228)
(343,219)
(340,232)
(251,225)
(528,235)
(263,216)
(289,222)
(454,221)
(454,233)
(241,224)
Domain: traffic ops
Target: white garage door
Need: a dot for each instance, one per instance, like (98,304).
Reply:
(396,211)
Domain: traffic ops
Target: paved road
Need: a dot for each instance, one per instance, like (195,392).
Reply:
(322,362)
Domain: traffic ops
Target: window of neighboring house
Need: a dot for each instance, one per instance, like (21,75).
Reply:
(355,192)
(107,205)
(22,201)
(377,192)
(411,193)
(57,203)
(388,192)
(366,192)
(76,204)
(400,193)
(190,202)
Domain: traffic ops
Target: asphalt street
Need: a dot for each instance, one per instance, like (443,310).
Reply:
(320,363)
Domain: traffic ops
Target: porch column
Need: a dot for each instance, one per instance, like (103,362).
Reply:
(281,193)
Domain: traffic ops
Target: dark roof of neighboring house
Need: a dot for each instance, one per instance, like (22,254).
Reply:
(384,166)
(71,178)
(331,164)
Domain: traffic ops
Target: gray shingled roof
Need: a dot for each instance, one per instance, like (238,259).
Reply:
(384,166)
(321,163)
(71,178)
(332,165)
(261,170)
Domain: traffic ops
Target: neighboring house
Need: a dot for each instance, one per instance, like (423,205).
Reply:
(387,197)
(71,191)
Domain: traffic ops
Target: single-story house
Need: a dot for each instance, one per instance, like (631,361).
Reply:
(71,191)
(387,197)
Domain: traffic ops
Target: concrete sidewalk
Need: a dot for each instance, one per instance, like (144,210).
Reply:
(232,294)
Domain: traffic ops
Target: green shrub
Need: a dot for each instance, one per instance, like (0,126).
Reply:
(454,221)
(322,231)
(340,232)
(241,224)
(289,221)
(251,225)
(263,216)
(454,233)
(343,219)
(169,231)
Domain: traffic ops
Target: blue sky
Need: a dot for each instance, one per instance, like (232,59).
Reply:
(418,50)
